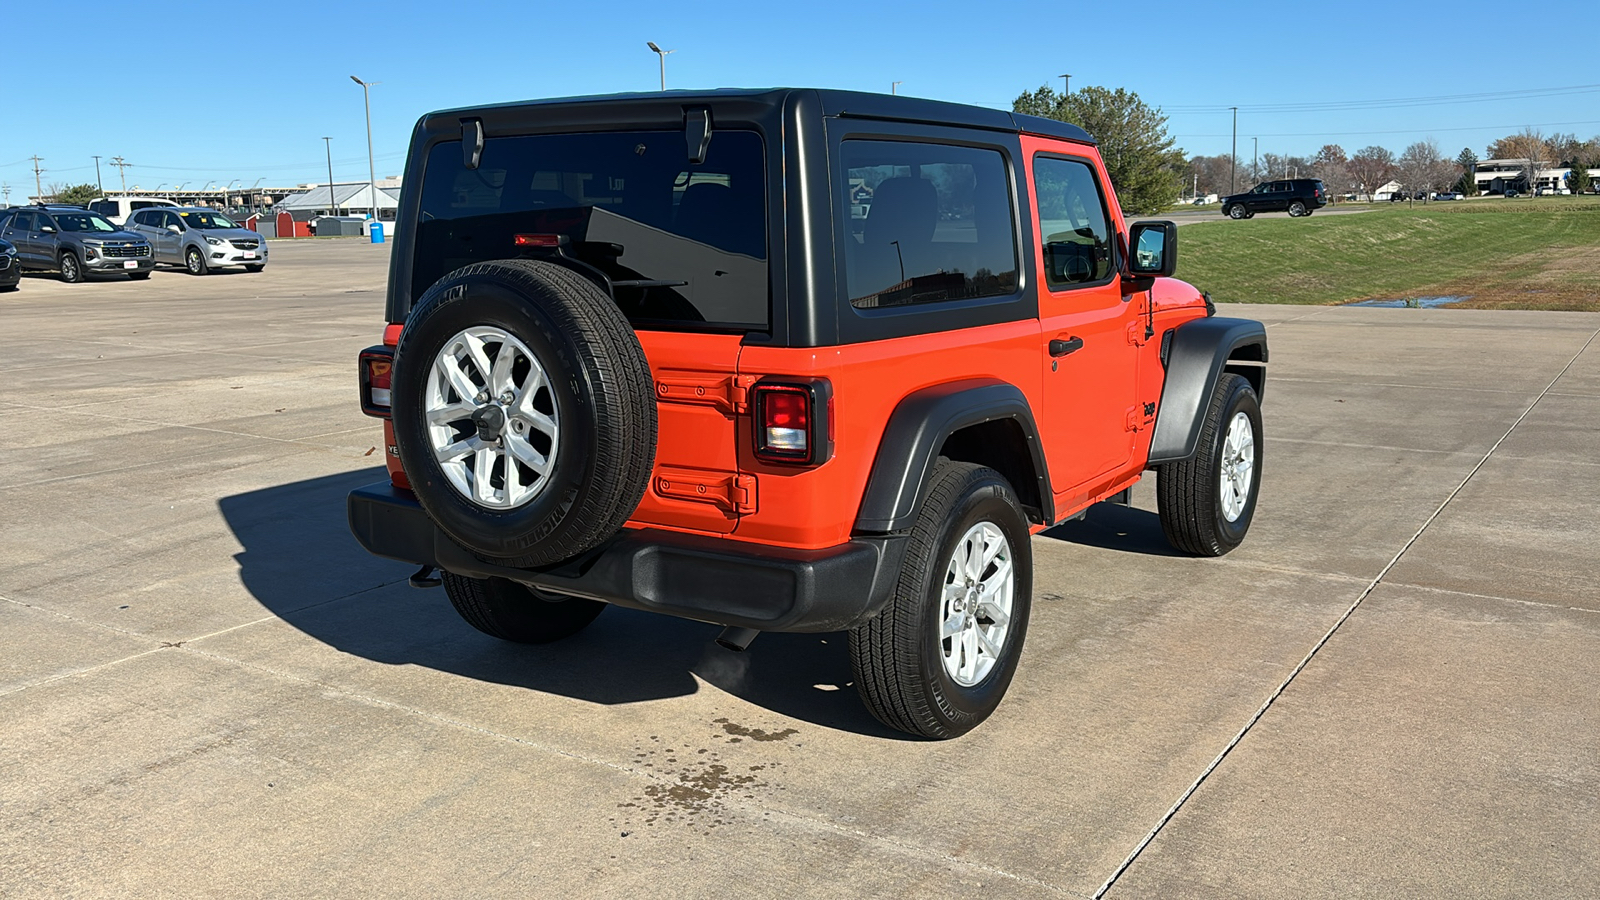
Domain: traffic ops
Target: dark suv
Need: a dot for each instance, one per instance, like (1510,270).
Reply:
(788,360)
(1296,196)
(75,242)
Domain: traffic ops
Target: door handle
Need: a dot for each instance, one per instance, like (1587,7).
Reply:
(1062,348)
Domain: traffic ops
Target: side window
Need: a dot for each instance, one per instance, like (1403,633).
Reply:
(141,204)
(928,223)
(1073,224)
(22,221)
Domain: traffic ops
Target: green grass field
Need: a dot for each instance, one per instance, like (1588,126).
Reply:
(1534,253)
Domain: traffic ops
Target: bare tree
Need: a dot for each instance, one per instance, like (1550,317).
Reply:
(1531,146)
(1372,168)
(1333,167)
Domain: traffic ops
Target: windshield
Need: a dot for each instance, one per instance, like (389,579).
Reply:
(206,220)
(82,221)
(684,244)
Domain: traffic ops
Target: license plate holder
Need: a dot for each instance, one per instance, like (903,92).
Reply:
(130,264)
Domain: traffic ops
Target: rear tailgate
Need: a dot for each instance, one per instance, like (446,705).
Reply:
(700,397)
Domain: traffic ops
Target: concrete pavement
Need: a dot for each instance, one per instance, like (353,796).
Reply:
(207,688)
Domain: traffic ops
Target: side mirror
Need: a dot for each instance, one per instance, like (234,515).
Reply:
(1155,249)
(47,229)
(174,229)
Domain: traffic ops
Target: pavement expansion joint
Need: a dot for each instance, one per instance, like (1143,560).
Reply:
(1322,642)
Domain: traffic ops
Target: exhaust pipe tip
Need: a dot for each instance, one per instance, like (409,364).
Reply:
(736,639)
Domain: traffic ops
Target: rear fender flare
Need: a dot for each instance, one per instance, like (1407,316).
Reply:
(919,427)
(1195,359)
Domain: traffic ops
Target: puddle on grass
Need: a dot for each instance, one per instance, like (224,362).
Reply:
(1415,302)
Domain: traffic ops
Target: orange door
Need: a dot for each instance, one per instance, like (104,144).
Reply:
(700,401)
(1089,328)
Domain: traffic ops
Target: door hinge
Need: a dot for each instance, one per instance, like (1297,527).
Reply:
(1136,334)
(1139,415)
(728,491)
(728,393)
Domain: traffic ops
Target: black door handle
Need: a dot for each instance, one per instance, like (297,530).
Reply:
(1062,348)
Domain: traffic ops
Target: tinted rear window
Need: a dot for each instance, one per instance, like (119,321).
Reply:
(684,244)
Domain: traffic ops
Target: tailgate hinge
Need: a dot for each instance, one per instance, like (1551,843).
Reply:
(728,491)
(728,393)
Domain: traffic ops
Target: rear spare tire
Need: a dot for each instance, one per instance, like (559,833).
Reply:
(523,411)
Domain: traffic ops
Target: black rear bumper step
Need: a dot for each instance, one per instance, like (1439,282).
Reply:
(718,580)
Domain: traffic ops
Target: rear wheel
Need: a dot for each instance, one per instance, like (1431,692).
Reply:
(1297,209)
(71,269)
(1208,501)
(516,612)
(195,261)
(938,659)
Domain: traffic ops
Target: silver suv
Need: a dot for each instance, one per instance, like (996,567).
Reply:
(75,242)
(199,239)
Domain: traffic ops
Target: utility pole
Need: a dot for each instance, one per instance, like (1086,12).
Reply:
(894,86)
(1233,158)
(1066,85)
(122,169)
(5,190)
(38,189)
(663,54)
(1255,146)
(98,183)
(327,144)
(372,170)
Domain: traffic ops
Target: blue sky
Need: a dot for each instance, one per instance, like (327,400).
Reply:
(246,91)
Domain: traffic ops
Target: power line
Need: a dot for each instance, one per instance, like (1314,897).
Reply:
(1187,135)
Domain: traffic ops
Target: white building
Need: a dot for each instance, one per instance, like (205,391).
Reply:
(1493,176)
(348,199)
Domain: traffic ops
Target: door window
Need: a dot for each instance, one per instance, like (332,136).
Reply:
(1073,224)
(928,223)
(23,222)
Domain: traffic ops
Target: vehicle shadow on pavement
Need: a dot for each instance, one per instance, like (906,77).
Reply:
(302,564)
(1112,526)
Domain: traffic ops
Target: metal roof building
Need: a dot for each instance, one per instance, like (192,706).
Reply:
(348,199)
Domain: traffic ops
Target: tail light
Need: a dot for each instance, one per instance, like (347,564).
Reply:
(793,421)
(376,373)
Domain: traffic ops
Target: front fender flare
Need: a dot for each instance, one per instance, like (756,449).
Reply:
(1195,358)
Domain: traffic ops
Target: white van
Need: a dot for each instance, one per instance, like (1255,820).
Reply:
(117,209)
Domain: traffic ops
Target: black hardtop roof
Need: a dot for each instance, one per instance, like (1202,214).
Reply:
(849,104)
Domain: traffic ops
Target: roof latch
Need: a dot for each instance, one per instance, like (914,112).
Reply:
(697,133)
(471,142)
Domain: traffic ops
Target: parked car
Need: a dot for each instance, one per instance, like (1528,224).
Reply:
(1512,192)
(199,239)
(10,270)
(75,242)
(1297,196)
(1447,195)
(117,209)
(667,373)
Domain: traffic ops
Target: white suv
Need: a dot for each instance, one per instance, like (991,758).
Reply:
(117,209)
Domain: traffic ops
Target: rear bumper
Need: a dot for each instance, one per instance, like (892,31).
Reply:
(718,580)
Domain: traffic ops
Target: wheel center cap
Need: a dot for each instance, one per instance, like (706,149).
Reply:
(491,420)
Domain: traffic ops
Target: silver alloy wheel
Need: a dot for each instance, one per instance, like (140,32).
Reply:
(69,267)
(491,418)
(193,261)
(975,604)
(1238,466)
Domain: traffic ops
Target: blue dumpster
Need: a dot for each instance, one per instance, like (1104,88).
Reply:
(376,228)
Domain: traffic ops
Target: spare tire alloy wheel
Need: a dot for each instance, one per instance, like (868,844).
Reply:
(524,411)
(492,420)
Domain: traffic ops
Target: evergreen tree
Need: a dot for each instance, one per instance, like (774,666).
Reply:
(1468,161)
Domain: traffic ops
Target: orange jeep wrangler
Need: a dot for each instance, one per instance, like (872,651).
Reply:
(788,360)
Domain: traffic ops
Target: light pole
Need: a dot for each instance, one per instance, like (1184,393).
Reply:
(663,54)
(327,144)
(894,86)
(226,192)
(372,170)
(1233,158)
(1066,84)
(1255,154)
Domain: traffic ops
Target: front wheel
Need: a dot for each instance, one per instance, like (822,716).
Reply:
(195,261)
(1236,212)
(938,659)
(1207,501)
(1297,209)
(254,268)
(515,612)
(139,276)
(71,270)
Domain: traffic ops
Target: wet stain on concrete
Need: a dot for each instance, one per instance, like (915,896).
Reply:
(754,734)
(694,792)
